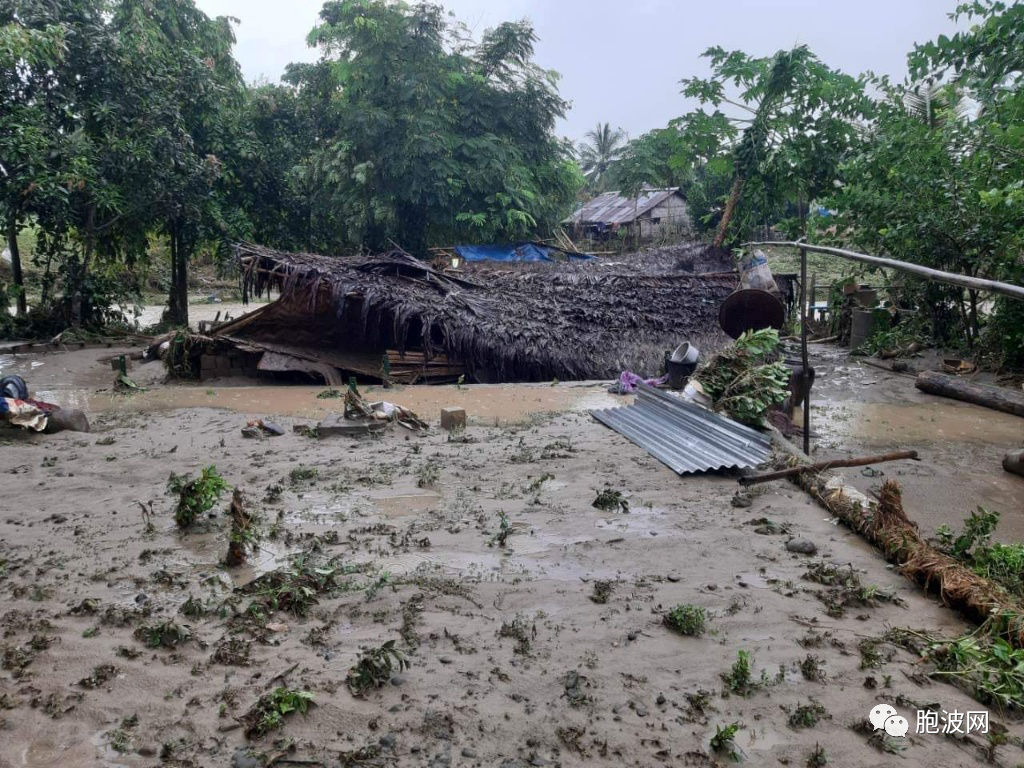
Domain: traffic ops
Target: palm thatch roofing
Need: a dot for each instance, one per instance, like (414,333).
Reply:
(513,322)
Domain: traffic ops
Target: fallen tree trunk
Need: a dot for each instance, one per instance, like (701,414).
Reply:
(997,398)
(822,465)
(886,526)
(1014,462)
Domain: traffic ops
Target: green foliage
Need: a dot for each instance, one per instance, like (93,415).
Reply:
(195,496)
(939,184)
(800,119)
(375,667)
(991,668)
(295,589)
(740,678)
(611,500)
(598,153)
(806,715)
(166,634)
(722,742)
(746,379)
(451,141)
(270,710)
(690,620)
(504,529)
(1001,563)
(977,532)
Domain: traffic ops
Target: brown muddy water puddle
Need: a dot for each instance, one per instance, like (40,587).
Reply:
(485,404)
(917,422)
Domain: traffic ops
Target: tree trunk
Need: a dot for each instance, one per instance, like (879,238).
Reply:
(81,270)
(730,209)
(177,299)
(19,279)
(997,398)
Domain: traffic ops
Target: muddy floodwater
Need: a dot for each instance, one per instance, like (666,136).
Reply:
(861,410)
(531,621)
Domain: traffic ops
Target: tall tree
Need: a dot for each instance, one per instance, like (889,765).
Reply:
(800,119)
(183,85)
(26,144)
(601,147)
(428,135)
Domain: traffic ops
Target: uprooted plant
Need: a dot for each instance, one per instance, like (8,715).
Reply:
(723,741)
(195,496)
(748,378)
(504,529)
(689,620)
(981,662)
(375,667)
(244,536)
(610,500)
(294,589)
(845,588)
(166,634)
(270,710)
(740,678)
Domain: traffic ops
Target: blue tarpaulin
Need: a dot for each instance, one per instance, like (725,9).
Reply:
(516,252)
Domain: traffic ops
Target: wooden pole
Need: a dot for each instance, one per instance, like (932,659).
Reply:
(806,371)
(823,465)
(937,275)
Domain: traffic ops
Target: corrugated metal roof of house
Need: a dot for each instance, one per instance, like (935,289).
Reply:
(613,208)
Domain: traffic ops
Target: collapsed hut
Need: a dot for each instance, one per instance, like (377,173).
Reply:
(392,317)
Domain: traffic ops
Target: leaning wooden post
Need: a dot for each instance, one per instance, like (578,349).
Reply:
(806,372)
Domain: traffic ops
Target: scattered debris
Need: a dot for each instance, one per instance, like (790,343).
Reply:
(611,500)
(748,378)
(196,496)
(270,710)
(261,428)
(453,418)
(375,668)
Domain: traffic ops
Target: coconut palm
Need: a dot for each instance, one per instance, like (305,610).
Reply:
(598,152)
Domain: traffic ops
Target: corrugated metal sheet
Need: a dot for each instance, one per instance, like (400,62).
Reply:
(612,208)
(685,436)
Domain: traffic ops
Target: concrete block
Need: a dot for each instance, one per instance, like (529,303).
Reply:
(453,418)
(208,365)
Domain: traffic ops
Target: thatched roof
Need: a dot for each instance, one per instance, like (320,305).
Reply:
(518,322)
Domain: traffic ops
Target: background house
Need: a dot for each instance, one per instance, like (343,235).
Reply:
(655,214)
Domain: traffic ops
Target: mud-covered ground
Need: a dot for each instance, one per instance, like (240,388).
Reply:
(549,650)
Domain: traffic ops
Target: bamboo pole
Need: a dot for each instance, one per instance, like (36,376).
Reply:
(937,275)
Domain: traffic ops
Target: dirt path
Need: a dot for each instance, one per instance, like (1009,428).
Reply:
(549,650)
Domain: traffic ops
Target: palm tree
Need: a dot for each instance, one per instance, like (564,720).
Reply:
(598,152)
(936,104)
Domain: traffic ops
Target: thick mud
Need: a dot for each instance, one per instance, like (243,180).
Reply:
(532,621)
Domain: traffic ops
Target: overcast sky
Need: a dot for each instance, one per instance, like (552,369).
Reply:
(621,61)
